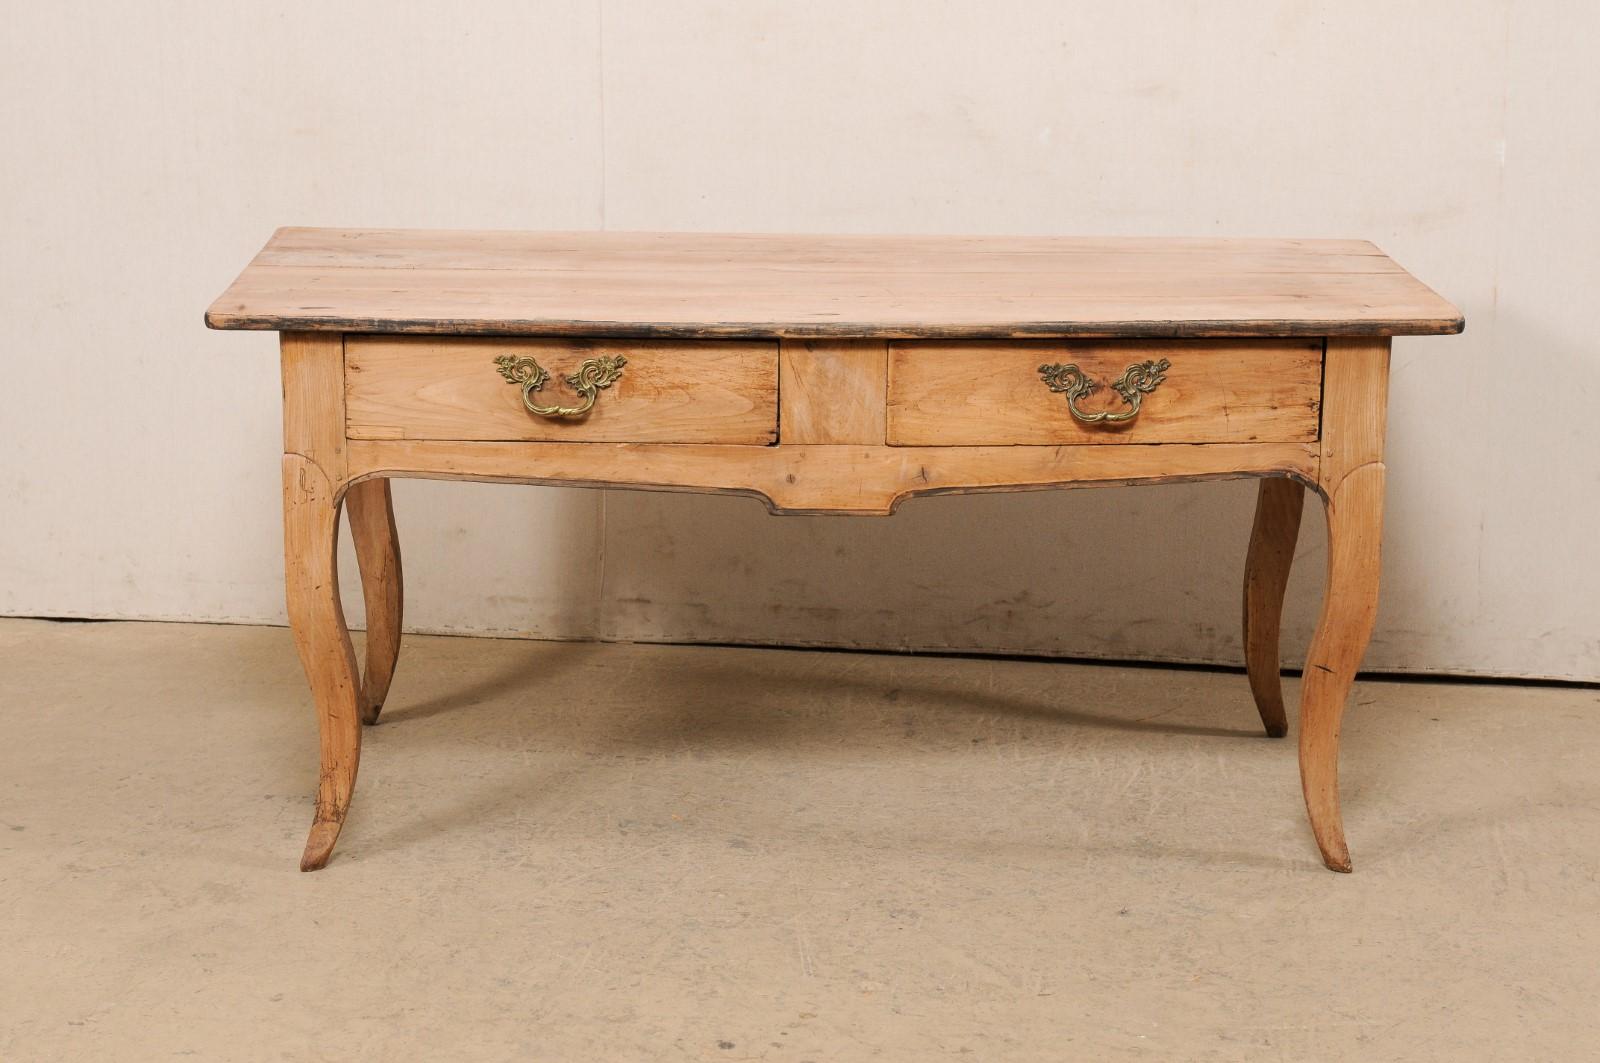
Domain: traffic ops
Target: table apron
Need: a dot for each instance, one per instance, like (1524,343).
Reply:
(798,478)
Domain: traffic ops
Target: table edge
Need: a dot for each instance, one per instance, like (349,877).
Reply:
(768,330)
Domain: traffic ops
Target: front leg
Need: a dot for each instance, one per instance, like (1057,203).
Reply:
(377,542)
(1349,607)
(311,531)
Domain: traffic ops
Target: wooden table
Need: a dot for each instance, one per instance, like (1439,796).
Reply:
(829,374)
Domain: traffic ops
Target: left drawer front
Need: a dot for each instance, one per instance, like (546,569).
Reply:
(429,387)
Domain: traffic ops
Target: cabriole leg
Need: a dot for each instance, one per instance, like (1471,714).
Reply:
(1349,607)
(311,530)
(1266,575)
(371,511)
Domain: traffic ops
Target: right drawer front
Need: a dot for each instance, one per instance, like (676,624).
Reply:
(984,393)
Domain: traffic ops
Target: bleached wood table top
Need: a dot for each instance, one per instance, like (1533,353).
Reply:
(642,285)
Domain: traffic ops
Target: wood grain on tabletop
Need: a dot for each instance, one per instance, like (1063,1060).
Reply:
(767,286)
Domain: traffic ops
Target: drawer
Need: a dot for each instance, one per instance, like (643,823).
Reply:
(1187,391)
(435,387)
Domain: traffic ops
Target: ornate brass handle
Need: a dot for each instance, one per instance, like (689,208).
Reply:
(1137,382)
(592,377)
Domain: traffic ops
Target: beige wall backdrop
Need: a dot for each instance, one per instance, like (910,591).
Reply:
(149,149)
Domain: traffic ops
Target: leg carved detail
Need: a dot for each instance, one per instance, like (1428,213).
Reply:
(371,511)
(1349,608)
(1266,574)
(311,530)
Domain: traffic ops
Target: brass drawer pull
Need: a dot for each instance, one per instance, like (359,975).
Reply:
(592,377)
(1137,382)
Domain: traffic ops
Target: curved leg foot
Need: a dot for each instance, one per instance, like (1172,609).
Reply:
(1349,607)
(311,529)
(1266,574)
(371,511)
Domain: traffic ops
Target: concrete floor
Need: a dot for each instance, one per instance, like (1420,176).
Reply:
(597,853)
